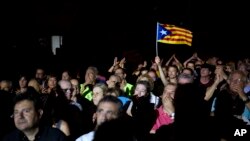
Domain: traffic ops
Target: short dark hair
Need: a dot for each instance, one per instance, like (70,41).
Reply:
(30,96)
(112,99)
(208,66)
(189,69)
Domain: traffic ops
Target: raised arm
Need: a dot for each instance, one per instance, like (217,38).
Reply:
(138,70)
(162,75)
(199,59)
(115,64)
(178,63)
(189,59)
(169,60)
(122,63)
(219,77)
(210,90)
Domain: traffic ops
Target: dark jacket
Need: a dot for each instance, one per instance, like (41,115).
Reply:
(44,134)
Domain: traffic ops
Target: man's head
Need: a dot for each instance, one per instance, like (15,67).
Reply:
(172,71)
(27,111)
(108,108)
(121,73)
(237,81)
(114,81)
(66,87)
(185,78)
(91,75)
(40,75)
(206,70)
(190,65)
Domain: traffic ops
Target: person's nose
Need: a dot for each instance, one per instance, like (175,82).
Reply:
(19,114)
(104,116)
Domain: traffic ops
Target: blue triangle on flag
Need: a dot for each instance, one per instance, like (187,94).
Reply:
(162,32)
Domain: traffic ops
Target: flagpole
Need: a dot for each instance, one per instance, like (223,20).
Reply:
(156,43)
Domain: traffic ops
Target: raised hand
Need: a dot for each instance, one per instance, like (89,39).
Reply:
(157,60)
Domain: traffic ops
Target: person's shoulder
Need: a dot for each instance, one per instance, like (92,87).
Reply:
(50,133)
(13,135)
(86,137)
(53,131)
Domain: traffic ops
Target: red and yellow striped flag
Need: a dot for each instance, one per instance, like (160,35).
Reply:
(172,34)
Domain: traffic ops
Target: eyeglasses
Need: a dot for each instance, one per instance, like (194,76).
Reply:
(67,90)
(236,81)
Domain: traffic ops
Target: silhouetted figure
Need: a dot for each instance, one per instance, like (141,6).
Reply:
(191,121)
(6,104)
(115,130)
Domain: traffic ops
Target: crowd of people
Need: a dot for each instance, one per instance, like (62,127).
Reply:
(200,100)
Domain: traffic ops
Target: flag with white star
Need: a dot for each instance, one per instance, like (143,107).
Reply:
(172,34)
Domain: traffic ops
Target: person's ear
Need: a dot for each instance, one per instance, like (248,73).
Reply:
(40,113)
(107,82)
(125,75)
(94,117)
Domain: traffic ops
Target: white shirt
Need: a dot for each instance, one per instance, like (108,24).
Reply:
(86,137)
(154,99)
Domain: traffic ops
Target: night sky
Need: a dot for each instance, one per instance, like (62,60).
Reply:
(124,27)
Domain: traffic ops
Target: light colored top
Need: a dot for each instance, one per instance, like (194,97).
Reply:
(154,99)
(86,137)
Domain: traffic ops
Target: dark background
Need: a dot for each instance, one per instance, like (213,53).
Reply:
(96,31)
